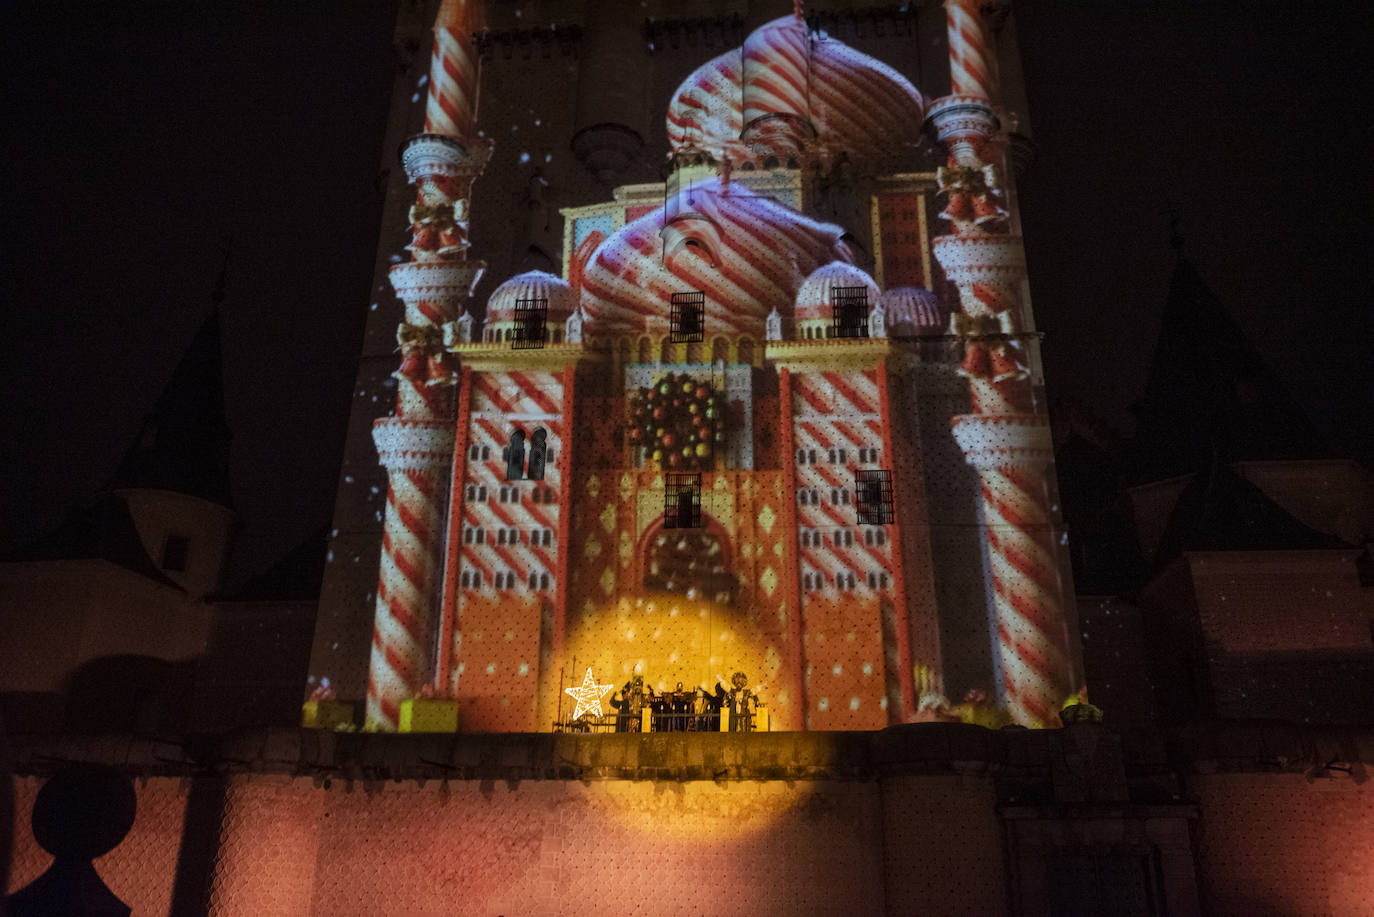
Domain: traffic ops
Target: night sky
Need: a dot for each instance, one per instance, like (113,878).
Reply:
(139,142)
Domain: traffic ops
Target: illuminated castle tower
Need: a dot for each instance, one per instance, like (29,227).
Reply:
(763,422)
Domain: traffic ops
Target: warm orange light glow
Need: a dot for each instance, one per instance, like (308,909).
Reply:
(670,639)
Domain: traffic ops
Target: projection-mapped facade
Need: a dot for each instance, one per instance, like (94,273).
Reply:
(778,414)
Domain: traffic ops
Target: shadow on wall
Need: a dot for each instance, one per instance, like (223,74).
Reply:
(81,813)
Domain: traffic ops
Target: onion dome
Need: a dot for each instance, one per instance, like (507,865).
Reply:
(748,255)
(913,312)
(814,310)
(823,93)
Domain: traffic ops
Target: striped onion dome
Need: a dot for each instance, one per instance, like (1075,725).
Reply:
(855,103)
(531,285)
(813,299)
(763,251)
(913,311)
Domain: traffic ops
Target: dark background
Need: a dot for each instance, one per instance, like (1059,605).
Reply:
(139,139)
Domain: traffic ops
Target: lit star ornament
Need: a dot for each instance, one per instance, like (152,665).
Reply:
(588,696)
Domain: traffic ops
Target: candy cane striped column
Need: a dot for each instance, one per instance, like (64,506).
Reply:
(972,59)
(988,271)
(417,455)
(451,108)
(1011,453)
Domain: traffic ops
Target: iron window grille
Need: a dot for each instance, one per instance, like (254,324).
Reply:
(873,496)
(688,317)
(849,312)
(682,501)
(531,324)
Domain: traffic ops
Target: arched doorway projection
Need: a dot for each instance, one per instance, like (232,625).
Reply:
(692,563)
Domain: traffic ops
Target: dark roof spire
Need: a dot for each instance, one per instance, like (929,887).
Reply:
(184,443)
(1210,395)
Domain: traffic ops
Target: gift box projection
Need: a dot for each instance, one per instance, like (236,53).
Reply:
(779,415)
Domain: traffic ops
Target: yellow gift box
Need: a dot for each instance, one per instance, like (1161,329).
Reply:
(326,714)
(429,715)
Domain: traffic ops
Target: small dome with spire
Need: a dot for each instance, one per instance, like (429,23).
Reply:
(913,312)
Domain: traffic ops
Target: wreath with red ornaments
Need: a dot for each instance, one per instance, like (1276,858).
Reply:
(679,421)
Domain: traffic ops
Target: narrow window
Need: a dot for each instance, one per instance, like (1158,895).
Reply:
(543,581)
(175,551)
(514,454)
(538,454)
(682,501)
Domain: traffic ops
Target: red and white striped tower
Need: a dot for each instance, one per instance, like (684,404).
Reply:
(1006,439)
(416,444)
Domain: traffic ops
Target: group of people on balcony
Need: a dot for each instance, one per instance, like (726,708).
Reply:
(683,710)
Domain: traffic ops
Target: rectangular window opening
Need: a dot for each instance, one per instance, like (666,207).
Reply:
(682,501)
(531,331)
(175,551)
(849,312)
(873,496)
(688,316)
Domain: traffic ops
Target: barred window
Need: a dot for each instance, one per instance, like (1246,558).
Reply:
(849,312)
(682,501)
(873,496)
(688,316)
(531,331)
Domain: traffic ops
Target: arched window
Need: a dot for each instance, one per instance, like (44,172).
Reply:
(543,581)
(720,351)
(746,351)
(514,454)
(665,350)
(694,352)
(538,454)
(646,350)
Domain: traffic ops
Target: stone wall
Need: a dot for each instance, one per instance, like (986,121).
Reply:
(934,819)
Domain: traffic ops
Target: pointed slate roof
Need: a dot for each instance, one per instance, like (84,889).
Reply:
(1210,393)
(184,443)
(1221,511)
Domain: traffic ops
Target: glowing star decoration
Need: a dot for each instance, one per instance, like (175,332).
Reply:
(588,696)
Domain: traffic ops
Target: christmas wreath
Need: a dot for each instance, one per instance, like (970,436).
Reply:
(678,421)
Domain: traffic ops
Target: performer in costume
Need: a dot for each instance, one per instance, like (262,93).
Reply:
(630,705)
(743,702)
